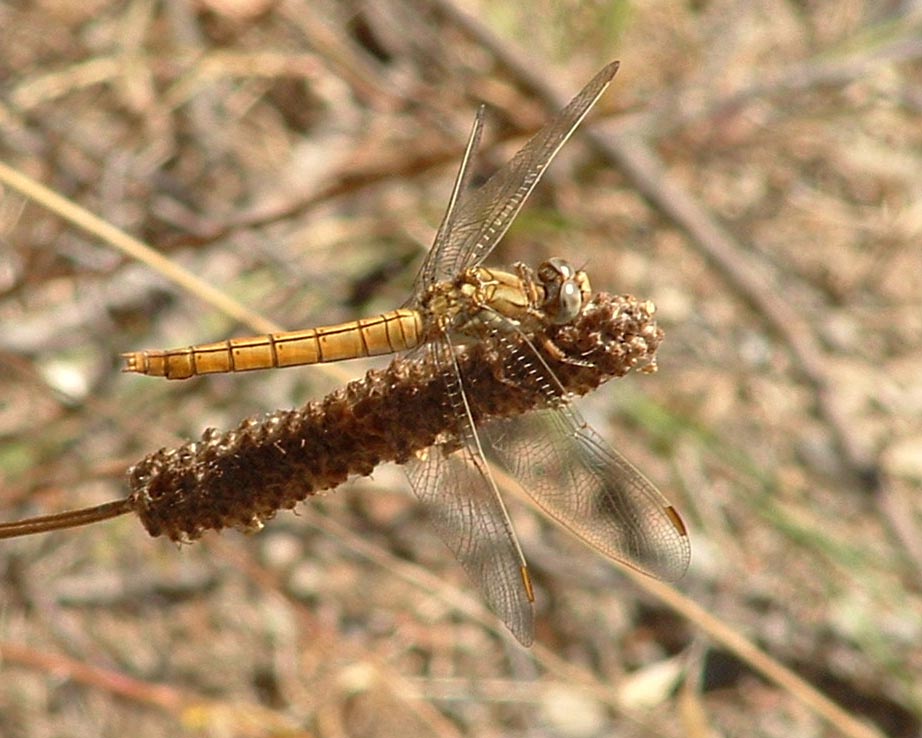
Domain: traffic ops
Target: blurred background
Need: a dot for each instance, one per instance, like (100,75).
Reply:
(755,169)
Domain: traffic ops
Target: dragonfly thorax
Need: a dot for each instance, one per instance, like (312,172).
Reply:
(481,300)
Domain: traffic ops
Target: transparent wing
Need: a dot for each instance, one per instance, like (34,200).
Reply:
(476,221)
(591,489)
(455,484)
(429,271)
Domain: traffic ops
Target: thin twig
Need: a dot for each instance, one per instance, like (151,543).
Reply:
(67,519)
(750,653)
(133,248)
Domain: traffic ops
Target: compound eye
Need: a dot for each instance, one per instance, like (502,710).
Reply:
(563,268)
(555,270)
(569,302)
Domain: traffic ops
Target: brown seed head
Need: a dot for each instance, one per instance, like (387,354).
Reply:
(240,478)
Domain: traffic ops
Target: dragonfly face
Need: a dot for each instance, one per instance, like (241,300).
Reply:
(566,290)
(569,471)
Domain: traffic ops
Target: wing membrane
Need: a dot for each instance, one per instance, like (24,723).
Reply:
(591,489)
(475,223)
(462,499)
(428,273)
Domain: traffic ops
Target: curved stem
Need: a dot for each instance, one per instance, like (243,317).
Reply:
(67,519)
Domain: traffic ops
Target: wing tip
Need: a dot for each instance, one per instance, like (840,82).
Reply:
(610,69)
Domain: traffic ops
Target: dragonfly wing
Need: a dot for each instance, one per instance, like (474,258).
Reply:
(591,489)
(430,272)
(479,219)
(455,484)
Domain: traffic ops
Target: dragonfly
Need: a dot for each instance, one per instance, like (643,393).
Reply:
(565,466)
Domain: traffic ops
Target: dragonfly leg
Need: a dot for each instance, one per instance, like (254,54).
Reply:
(534,291)
(557,354)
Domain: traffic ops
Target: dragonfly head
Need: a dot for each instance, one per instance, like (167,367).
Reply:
(566,290)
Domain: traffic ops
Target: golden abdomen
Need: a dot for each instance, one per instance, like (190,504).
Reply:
(387,333)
